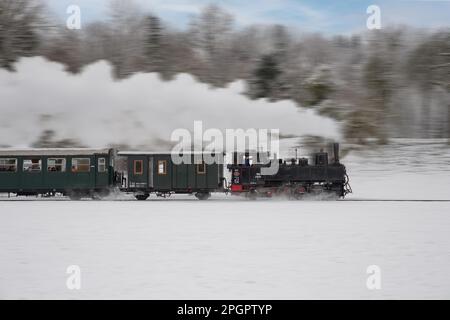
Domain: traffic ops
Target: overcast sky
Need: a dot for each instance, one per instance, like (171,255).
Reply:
(325,16)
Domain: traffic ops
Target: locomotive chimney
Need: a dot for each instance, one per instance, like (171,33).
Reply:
(336,152)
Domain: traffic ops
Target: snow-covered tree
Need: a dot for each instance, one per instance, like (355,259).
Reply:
(19,30)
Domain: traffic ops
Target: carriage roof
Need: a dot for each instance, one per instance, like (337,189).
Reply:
(53,151)
(138,153)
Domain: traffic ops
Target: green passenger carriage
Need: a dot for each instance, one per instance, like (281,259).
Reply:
(73,172)
(144,173)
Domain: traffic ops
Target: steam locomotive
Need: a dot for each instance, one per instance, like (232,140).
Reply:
(293,178)
(93,173)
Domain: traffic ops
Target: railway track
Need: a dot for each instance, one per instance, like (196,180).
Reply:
(4,199)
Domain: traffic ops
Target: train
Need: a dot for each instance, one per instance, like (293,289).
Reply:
(96,172)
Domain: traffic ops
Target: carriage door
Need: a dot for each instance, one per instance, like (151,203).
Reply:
(150,172)
(163,172)
(137,172)
(102,174)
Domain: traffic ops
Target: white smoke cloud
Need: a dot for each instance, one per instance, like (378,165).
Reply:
(96,110)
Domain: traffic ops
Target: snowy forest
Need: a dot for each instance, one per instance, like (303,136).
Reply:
(380,84)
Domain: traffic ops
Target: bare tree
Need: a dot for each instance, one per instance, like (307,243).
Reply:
(96,42)
(20,21)
(126,23)
(422,71)
(153,43)
(211,34)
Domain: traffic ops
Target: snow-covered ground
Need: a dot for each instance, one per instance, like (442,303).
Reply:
(187,249)
(228,247)
(405,169)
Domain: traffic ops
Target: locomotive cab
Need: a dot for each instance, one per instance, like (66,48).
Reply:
(246,170)
(321,158)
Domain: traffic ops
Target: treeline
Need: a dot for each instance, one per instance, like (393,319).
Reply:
(380,84)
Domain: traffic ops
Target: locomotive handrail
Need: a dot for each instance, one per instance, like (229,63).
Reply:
(347,187)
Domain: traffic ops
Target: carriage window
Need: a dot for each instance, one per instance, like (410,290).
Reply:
(101,165)
(162,167)
(32,165)
(138,167)
(81,165)
(56,165)
(8,165)
(201,168)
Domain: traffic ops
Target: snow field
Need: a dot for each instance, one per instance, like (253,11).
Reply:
(222,249)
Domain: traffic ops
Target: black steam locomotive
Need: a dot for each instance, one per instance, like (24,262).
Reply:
(293,178)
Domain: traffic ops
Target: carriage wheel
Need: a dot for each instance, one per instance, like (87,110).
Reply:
(142,197)
(203,195)
(75,195)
